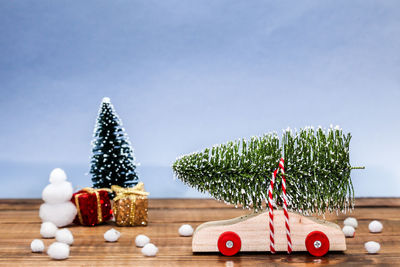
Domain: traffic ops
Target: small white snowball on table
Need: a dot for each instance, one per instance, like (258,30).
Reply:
(58,251)
(48,230)
(112,235)
(348,231)
(142,240)
(150,250)
(37,245)
(375,226)
(57,175)
(372,247)
(351,222)
(65,236)
(186,230)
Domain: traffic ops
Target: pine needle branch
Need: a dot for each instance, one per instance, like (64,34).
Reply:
(239,172)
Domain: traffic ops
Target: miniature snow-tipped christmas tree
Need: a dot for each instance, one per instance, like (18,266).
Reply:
(58,207)
(317,167)
(113,162)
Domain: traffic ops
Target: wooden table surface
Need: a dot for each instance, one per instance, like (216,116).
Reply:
(20,224)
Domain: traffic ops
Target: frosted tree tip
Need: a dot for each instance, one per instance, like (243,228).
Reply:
(106,100)
(337,127)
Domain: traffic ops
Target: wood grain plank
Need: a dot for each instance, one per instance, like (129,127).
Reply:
(19,224)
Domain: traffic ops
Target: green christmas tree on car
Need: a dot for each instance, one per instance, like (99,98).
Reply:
(305,172)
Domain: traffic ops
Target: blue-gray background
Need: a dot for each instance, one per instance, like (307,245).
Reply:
(184,75)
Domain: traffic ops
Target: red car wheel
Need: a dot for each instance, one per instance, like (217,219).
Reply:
(229,243)
(317,243)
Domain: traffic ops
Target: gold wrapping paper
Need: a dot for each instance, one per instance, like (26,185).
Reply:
(130,205)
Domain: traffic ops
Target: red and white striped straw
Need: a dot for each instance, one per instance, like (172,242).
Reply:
(271,209)
(271,213)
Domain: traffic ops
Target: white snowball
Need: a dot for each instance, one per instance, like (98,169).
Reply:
(57,193)
(65,236)
(351,222)
(112,235)
(372,247)
(142,240)
(57,175)
(60,214)
(375,226)
(58,251)
(48,230)
(348,231)
(150,250)
(37,245)
(186,230)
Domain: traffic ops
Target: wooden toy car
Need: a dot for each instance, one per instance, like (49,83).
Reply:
(251,233)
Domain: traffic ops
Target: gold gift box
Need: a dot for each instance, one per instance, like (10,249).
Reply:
(130,205)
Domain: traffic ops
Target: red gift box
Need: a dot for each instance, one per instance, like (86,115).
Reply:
(93,206)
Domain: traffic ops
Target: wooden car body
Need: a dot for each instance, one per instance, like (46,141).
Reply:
(253,231)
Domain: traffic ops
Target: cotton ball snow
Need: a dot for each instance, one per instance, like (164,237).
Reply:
(375,226)
(48,230)
(351,222)
(142,240)
(57,175)
(57,193)
(37,245)
(58,207)
(65,236)
(58,251)
(112,235)
(372,247)
(60,214)
(149,250)
(348,231)
(186,230)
